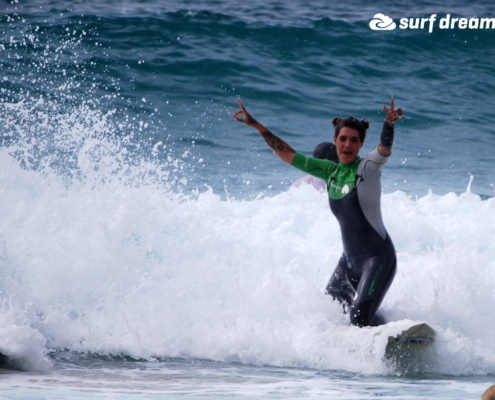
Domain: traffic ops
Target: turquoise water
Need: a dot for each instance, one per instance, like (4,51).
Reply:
(170,75)
(152,246)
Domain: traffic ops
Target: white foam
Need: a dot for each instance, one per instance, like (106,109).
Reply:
(24,346)
(149,273)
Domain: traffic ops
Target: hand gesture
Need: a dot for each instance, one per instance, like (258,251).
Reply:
(248,119)
(393,114)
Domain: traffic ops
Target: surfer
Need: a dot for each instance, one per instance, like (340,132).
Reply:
(367,266)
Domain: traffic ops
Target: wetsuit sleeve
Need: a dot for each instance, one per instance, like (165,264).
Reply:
(369,190)
(313,166)
(387,136)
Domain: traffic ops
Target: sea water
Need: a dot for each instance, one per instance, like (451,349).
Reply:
(151,246)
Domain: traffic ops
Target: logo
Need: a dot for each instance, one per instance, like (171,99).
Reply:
(375,277)
(306,160)
(381,22)
(338,190)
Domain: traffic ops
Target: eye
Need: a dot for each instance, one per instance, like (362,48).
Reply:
(355,140)
(342,138)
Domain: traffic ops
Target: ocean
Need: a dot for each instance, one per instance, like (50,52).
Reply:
(153,247)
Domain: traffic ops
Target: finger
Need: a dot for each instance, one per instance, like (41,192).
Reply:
(392,103)
(241,105)
(386,109)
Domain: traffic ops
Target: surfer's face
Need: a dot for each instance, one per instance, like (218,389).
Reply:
(348,144)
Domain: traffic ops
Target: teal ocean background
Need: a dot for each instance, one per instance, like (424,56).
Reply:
(166,76)
(153,247)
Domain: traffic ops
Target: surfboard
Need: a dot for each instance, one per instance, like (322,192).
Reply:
(408,348)
(404,345)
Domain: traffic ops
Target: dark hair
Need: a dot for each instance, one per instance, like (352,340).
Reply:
(351,122)
(326,151)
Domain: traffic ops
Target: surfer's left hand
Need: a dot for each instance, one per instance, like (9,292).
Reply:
(393,114)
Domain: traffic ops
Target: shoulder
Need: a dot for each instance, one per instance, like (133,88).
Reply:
(373,161)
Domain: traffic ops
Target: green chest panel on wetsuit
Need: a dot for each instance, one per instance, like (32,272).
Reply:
(343,180)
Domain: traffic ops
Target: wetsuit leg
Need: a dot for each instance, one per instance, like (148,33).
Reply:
(377,275)
(339,286)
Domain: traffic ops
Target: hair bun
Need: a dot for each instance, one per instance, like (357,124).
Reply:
(336,121)
(365,123)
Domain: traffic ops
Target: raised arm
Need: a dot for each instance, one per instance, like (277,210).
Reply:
(279,147)
(387,136)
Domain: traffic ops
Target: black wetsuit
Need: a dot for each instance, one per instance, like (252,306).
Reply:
(367,266)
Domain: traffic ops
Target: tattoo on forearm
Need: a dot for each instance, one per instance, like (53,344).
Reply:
(276,143)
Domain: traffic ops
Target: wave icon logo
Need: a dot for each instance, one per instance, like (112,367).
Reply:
(381,22)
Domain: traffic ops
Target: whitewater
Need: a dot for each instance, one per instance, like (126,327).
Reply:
(146,272)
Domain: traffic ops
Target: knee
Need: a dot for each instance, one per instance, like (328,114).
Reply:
(360,314)
(358,319)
